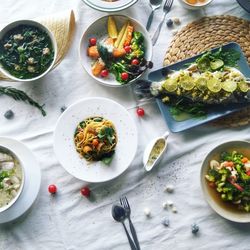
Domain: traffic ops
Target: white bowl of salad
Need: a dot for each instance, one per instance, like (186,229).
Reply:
(11,178)
(27,50)
(225,180)
(115,50)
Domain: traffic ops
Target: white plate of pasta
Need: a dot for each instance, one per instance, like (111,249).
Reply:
(95,139)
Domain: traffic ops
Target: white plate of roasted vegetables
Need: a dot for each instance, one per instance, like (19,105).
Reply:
(115,50)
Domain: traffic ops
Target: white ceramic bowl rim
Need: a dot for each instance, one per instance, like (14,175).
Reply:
(148,53)
(199,5)
(38,25)
(14,155)
(102,5)
(235,217)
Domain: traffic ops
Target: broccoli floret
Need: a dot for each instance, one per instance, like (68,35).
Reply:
(137,46)
(137,37)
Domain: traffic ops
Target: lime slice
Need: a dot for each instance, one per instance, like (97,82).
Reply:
(201,84)
(244,86)
(214,85)
(170,85)
(187,82)
(216,64)
(229,86)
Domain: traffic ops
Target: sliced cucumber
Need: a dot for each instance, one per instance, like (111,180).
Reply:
(244,86)
(187,82)
(216,64)
(201,83)
(229,86)
(214,85)
(170,85)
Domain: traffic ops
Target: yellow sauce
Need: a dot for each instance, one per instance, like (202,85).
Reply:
(156,151)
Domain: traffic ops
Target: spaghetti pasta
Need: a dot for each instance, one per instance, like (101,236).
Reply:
(95,139)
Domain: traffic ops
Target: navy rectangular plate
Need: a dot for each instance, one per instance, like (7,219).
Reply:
(213,113)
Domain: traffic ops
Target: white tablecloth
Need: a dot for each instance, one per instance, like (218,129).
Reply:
(70,221)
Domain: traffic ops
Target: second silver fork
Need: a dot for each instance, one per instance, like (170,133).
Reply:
(166,8)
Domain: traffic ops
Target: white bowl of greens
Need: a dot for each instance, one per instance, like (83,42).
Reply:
(225,179)
(27,50)
(11,178)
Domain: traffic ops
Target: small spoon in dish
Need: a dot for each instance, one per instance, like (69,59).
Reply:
(154,151)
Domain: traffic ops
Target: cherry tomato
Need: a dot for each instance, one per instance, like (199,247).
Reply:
(85,191)
(92,41)
(127,49)
(95,142)
(248,172)
(52,189)
(104,73)
(124,76)
(135,61)
(140,112)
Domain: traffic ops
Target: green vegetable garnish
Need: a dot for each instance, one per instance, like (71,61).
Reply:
(20,95)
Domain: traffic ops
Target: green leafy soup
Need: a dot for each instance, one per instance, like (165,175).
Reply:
(26,51)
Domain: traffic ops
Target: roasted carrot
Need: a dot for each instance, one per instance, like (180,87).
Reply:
(244,160)
(118,52)
(129,35)
(229,164)
(97,67)
(93,52)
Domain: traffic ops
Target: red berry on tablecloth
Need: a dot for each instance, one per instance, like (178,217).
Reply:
(85,191)
(52,189)
(140,112)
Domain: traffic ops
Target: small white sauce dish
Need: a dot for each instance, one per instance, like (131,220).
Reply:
(155,151)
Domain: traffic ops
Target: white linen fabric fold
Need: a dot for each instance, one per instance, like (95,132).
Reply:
(70,221)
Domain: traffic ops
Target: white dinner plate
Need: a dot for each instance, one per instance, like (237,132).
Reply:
(32,180)
(110,6)
(125,149)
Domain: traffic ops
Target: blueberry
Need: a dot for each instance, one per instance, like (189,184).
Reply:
(195,228)
(169,23)
(9,114)
(63,108)
(165,222)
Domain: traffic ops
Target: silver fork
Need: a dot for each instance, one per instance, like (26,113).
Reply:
(166,8)
(125,204)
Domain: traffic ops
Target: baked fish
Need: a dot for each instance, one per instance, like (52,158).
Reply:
(219,87)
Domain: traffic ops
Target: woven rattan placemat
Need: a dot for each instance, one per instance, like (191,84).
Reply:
(62,25)
(207,33)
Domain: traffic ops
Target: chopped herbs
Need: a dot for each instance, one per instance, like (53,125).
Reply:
(26,51)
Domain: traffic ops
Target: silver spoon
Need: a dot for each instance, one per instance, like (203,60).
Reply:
(119,214)
(154,4)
